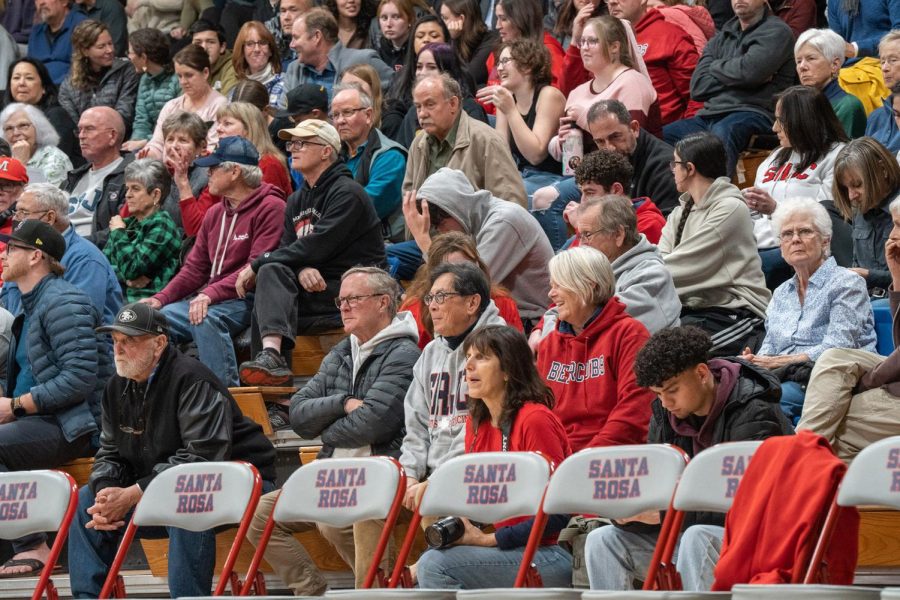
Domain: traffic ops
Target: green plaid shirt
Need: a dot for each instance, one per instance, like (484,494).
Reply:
(145,248)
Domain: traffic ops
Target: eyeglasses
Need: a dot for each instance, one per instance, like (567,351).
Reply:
(587,235)
(10,188)
(589,42)
(804,234)
(505,61)
(352,301)
(11,246)
(298,145)
(21,214)
(20,127)
(259,44)
(672,164)
(439,298)
(345,114)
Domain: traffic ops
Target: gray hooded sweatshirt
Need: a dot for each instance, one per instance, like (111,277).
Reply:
(510,241)
(435,405)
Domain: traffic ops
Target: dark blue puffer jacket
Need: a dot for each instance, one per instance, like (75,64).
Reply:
(69,360)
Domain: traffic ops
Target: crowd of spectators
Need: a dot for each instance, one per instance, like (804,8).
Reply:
(588,255)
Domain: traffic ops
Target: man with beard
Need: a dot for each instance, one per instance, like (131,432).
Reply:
(50,40)
(161,409)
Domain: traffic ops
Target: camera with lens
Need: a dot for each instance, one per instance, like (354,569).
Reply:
(444,532)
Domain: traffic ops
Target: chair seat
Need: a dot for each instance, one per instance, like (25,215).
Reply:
(394,594)
(890,594)
(514,593)
(655,595)
(790,592)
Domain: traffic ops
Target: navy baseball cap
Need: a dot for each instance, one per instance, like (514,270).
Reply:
(231,149)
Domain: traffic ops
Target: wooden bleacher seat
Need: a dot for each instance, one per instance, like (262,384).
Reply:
(79,469)
(309,350)
(252,401)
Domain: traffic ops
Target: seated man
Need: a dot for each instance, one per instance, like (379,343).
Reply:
(701,402)
(330,226)
(355,404)
(202,302)
(97,188)
(211,38)
(737,77)
(50,41)
(160,409)
(86,266)
(58,366)
(882,124)
(509,240)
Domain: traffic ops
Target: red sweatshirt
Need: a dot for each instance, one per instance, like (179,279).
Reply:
(597,398)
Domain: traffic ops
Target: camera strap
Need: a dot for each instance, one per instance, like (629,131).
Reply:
(504,437)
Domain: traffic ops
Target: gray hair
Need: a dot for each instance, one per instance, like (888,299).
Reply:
(615,108)
(50,197)
(890,37)
(250,174)
(150,173)
(365,99)
(449,85)
(380,282)
(586,272)
(44,132)
(811,207)
(828,43)
(616,211)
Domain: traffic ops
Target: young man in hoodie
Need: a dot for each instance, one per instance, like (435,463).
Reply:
(436,403)
(202,302)
(355,404)
(700,402)
(211,38)
(509,240)
(330,225)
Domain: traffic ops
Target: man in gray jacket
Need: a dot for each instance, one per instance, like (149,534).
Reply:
(355,404)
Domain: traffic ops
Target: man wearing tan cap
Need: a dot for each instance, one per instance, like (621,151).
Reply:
(330,226)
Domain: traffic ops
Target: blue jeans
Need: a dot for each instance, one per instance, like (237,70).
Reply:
(792,397)
(476,567)
(734,129)
(406,256)
(213,335)
(551,219)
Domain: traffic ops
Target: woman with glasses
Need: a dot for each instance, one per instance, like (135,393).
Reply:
(822,306)
(256,57)
(34,142)
(587,359)
(245,120)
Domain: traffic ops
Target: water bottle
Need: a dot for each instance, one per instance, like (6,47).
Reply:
(572,151)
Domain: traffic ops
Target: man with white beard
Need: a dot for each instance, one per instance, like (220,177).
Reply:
(161,408)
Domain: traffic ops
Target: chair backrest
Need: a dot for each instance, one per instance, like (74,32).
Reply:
(487,486)
(339,491)
(711,479)
(873,476)
(617,481)
(32,501)
(197,496)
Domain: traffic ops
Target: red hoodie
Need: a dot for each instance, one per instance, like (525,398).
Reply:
(597,398)
(227,241)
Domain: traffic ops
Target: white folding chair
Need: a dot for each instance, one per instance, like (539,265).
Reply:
(452,487)
(890,594)
(394,594)
(802,591)
(530,593)
(654,595)
(34,502)
(337,492)
(222,493)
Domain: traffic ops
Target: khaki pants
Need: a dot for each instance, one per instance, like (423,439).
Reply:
(849,421)
(291,562)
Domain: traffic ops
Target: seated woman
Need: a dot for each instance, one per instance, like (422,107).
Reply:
(184,137)
(528,110)
(144,247)
(192,69)
(452,247)
(510,409)
(395,18)
(29,82)
(866,181)
(569,26)
(819,54)
(708,246)
(34,142)
(809,137)
(256,57)
(245,120)
(822,306)
(97,77)
(517,19)
(354,21)
(148,50)
(587,359)
(472,40)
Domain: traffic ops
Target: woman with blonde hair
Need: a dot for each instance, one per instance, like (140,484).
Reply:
(365,76)
(245,120)
(97,77)
(866,180)
(256,57)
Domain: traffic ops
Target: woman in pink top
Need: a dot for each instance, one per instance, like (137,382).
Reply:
(192,69)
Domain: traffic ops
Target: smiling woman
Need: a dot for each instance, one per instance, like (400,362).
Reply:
(34,141)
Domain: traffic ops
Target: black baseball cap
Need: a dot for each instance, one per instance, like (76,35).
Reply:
(38,235)
(137,319)
(303,99)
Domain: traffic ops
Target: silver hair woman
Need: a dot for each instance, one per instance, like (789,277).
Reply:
(823,306)
(34,142)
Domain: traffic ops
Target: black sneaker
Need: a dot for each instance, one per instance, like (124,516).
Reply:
(279,417)
(268,368)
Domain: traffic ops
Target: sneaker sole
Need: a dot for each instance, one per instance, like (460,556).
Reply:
(252,376)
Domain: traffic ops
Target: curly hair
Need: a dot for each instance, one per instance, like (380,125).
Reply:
(604,167)
(368,10)
(84,36)
(523,383)
(669,353)
(531,57)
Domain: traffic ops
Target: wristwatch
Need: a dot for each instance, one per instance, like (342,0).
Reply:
(17,409)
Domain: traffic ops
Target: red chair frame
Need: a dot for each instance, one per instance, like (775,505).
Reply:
(255,583)
(45,584)
(114,587)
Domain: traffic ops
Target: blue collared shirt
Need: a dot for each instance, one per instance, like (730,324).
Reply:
(835,314)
